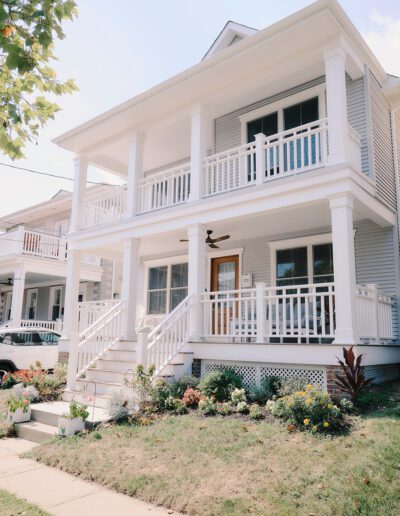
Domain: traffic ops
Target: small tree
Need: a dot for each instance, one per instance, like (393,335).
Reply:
(28,29)
(352,381)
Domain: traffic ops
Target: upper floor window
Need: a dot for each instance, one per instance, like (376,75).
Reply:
(267,125)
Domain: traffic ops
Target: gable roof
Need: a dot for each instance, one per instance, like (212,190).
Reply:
(230,34)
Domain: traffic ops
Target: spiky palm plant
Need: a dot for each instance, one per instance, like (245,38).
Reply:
(352,381)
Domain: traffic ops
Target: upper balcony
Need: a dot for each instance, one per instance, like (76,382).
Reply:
(266,159)
(38,243)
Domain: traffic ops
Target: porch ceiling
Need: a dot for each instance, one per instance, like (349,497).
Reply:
(31,278)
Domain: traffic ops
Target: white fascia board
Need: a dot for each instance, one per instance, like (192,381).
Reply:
(311,188)
(330,7)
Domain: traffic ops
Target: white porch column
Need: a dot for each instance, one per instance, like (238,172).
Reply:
(78,194)
(198,150)
(135,173)
(71,293)
(17,296)
(129,287)
(335,72)
(344,270)
(197,277)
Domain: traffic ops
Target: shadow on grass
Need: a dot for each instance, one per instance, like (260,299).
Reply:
(381,401)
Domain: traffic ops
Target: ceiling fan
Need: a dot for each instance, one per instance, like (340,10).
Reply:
(8,283)
(210,241)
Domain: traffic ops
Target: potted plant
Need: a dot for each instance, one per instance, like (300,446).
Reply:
(74,420)
(19,409)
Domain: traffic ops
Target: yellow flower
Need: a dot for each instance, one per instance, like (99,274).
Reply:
(308,401)
(314,428)
(309,386)
(306,422)
(326,424)
(329,406)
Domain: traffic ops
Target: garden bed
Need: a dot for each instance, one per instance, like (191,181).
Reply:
(230,465)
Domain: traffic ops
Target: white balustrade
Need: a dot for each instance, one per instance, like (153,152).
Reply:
(108,206)
(293,151)
(167,188)
(168,338)
(90,311)
(98,338)
(374,313)
(48,325)
(90,259)
(41,244)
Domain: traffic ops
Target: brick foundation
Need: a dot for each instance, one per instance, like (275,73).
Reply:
(331,386)
(196,367)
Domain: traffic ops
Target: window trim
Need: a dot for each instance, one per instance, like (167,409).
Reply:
(29,293)
(51,300)
(280,105)
(308,242)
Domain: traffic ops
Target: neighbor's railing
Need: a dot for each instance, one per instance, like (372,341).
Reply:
(90,259)
(106,207)
(293,151)
(56,325)
(374,313)
(167,188)
(90,311)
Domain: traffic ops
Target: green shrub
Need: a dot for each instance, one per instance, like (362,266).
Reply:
(308,409)
(225,409)
(160,393)
(238,395)
(175,405)
(208,407)
(220,384)
(255,412)
(180,386)
(288,386)
(266,391)
(242,407)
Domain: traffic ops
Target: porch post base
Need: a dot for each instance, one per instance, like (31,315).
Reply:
(346,338)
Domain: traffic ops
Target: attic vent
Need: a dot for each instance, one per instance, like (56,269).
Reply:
(235,40)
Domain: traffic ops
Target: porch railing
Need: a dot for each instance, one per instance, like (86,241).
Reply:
(33,242)
(293,151)
(35,323)
(109,206)
(167,188)
(90,311)
(294,312)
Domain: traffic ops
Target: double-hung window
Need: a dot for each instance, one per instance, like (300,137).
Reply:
(167,287)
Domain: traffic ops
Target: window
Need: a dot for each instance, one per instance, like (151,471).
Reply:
(302,265)
(301,113)
(167,287)
(267,125)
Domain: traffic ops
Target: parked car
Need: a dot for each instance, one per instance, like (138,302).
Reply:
(21,348)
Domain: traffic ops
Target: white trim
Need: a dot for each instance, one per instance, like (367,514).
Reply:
(29,293)
(280,105)
(306,241)
(51,301)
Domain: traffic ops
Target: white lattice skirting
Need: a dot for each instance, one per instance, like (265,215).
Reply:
(253,373)
(382,373)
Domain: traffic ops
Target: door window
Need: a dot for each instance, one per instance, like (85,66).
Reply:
(31,304)
(56,302)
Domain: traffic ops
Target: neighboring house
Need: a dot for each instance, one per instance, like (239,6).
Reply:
(33,266)
(286,139)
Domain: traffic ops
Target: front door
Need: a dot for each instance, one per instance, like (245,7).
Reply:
(224,280)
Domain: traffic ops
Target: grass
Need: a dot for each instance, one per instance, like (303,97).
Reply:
(6,429)
(231,466)
(10,505)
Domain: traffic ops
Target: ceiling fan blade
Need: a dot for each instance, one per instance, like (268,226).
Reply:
(219,239)
(213,246)
(183,240)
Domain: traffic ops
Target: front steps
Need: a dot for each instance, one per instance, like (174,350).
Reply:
(112,368)
(44,424)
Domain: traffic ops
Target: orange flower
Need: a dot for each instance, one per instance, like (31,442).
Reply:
(291,428)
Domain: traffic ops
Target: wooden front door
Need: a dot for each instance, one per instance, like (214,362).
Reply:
(224,278)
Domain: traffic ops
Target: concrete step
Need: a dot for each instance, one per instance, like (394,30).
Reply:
(125,345)
(100,401)
(48,412)
(107,375)
(91,387)
(115,365)
(35,431)
(115,354)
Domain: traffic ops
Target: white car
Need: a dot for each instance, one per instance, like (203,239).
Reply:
(21,348)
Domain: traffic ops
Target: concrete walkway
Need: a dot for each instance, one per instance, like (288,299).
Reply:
(60,493)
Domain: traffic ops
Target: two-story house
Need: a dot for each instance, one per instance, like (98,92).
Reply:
(33,267)
(258,227)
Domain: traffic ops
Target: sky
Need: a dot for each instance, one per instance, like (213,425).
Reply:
(115,50)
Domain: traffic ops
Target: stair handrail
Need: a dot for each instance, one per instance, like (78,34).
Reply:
(169,345)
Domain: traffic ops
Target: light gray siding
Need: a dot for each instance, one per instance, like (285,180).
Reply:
(357,117)
(227,128)
(382,144)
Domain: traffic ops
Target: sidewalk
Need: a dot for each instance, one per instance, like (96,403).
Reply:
(60,493)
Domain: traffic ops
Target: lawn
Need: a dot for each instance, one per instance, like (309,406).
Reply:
(10,505)
(215,466)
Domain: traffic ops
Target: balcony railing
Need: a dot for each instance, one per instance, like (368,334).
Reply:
(290,152)
(164,189)
(35,243)
(107,207)
(294,313)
